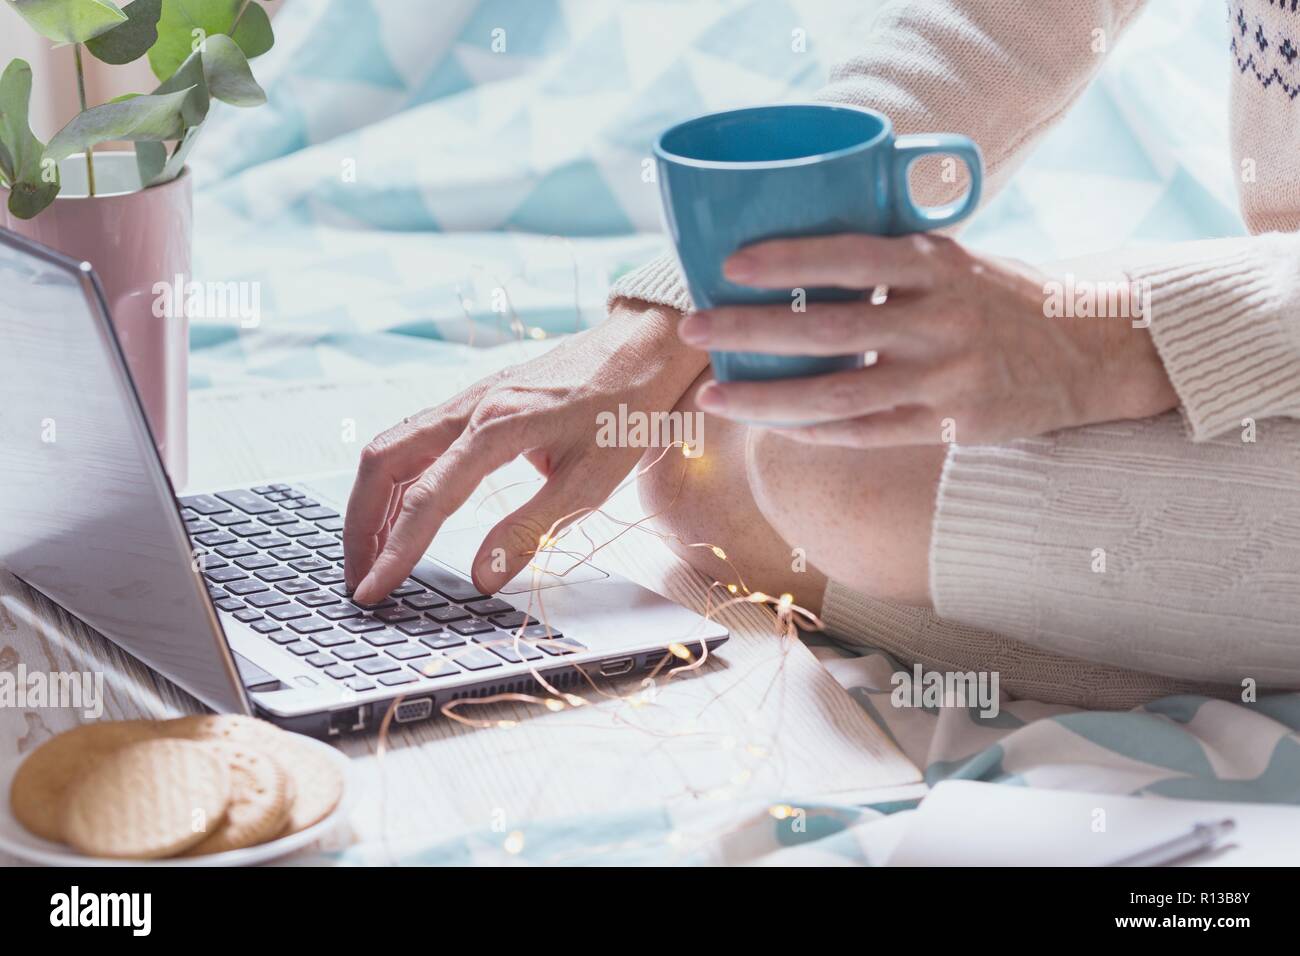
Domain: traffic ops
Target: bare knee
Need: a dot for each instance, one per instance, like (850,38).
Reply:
(862,517)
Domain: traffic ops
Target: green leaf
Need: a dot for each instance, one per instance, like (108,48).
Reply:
(190,77)
(32,185)
(228,76)
(156,167)
(70,21)
(183,26)
(253,32)
(130,40)
(157,117)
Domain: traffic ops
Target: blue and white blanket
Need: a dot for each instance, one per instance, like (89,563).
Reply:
(421,185)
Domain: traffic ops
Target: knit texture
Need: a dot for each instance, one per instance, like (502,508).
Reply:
(1107,565)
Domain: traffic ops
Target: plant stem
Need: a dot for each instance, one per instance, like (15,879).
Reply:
(81,95)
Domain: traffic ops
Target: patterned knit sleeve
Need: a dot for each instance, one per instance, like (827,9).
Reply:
(1000,71)
(1225,317)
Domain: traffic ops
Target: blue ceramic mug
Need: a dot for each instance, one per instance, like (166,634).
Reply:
(731,179)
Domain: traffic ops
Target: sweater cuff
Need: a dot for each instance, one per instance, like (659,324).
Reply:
(658,281)
(1219,325)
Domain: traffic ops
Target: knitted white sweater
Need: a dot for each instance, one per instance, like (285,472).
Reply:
(1199,529)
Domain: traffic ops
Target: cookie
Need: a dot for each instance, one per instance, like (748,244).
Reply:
(39,788)
(260,800)
(317,783)
(148,800)
(233,728)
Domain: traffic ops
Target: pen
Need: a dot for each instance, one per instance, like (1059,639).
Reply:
(1201,837)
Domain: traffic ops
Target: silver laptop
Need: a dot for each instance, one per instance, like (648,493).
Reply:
(237,594)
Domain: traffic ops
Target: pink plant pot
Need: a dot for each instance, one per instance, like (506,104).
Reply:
(138,240)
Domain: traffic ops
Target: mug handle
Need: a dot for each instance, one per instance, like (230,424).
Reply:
(911,217)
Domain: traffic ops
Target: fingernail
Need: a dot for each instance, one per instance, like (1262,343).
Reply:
(694,329)
(740,267)
(711,398)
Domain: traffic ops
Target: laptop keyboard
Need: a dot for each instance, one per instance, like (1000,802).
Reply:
(273,559)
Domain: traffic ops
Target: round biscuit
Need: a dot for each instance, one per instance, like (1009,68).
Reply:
(40,787)
(148,800)
(259,799)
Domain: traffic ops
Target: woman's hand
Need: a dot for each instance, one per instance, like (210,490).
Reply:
(965,349)
(415,475)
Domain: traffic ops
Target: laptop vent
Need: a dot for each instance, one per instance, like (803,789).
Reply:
(561,680)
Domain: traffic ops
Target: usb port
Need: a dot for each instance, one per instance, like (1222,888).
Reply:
(617,666)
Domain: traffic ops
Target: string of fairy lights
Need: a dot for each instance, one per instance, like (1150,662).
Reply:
(678,661)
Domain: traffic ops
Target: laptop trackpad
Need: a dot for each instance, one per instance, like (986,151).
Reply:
(456,549)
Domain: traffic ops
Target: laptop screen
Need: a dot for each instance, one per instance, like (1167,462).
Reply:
(87,515)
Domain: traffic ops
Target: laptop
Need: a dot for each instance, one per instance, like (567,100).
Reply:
(237,594)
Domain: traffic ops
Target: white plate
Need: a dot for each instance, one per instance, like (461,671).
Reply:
(15,839)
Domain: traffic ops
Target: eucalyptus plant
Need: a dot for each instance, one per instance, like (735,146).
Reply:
(197,49)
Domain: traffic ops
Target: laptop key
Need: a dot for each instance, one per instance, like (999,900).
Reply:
(256,562)
(333,553)
(276,496)
(397,679)
(383,638)
(318,541)
(425,600)
(236,550)
(248,615)
(210,562)
(199,526)
(536,632)
(213,538)
(445,582)
(268,541)
(282,636)
(339,613)
(407,652)
(471,627)
(274,574)
(339,671)
(512,621)
(295,530)
(229,518)
(435,667)
(291,504)
(246,530)
(265,627)
(362,625)
(306,565)
(309,625)
(386,602)
(277,519)
(295,586)
(216,593)
(290,613)
(246,587)
(396,615)
(513,651)
(358,684)
(205,504)
(332,576)
(290,552)
(318,599)
(330,524)
(223,575)
(317,512)
(320,660)
(558,647)
(377,665)
(440,642)
(445,615)
(300,649)
(490,606)
(262,489)
(407,587)
(268,599)
(332,639)
(355,652)
(474,659)
(231,604)
(246,501)
(419,628)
